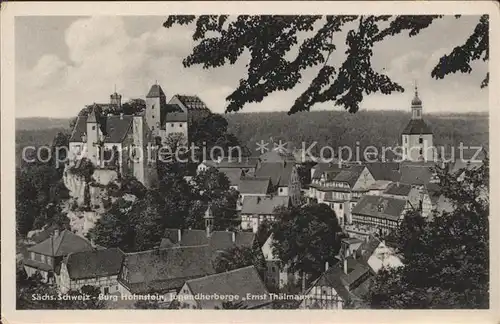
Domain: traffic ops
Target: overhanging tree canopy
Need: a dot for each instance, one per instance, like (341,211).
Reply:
(269,39)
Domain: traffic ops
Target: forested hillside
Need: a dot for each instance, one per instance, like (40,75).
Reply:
(341,128)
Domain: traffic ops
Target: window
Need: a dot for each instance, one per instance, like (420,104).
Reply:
(180,124)
(340,206)
(406,140)
(32,254)
(43,258)
(93,127)
(420,140)
(421,151)
(106,290)
(273,269)
(281,189)
(171,125)
(49,260)
(153,106)
(418,113)
(152,128)
(153,116)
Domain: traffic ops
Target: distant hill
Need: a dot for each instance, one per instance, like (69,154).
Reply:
(36,123)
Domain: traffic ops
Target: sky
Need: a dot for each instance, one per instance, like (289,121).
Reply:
(66,62)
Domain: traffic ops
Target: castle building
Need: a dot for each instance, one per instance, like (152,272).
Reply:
(417,137)
(113,141)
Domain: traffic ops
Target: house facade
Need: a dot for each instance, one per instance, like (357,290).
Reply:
(255,210)
(99,268)
(46,257)
(242,285)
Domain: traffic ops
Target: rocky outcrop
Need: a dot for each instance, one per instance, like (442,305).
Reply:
(76,186)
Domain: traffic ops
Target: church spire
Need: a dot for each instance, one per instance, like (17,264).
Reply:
(416,105)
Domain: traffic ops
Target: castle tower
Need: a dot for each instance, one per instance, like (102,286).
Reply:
(92,135)
(417,137)
(155,99)
(116,100)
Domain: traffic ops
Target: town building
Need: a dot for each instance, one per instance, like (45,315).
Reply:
(256,210)
(98,268)
(340,187)
(216,240)
(163,271)
(278,274)
(376,214)
(417,137)
(242,288)
(46,257)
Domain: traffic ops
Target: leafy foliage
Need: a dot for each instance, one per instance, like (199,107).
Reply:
(446,259)
(270,40)
(28,288)
(239,257)
(306,237)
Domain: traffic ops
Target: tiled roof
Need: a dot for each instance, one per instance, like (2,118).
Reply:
(416,174)
(278,172)
(254,185)
(384,170)
(349,174)
(243,163)
(192,102)
(233,174)
(263,205)
(65,243)
(44,234)
(380,207)
(218,240)
(398,189)
(336,278)
(322,167)
(379,185)
(155,91)
(176,117)
(239,282)
(167,109)
(278,156)
(165,269)
(416,126)
(91,264)
(367,248)
(115,128)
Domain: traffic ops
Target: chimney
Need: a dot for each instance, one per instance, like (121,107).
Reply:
(345,266)
(233,234)
(326,266)
(179,234)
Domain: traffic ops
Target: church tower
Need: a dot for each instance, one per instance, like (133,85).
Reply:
(155,99)
(417,137)
(116,100)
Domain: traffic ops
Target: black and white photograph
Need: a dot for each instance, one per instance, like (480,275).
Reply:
(239,161)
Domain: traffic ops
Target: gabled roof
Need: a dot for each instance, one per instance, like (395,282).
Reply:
(114,128)
(218,240)
(416,126)
(176,117)
(380,207)
(92,264)
(239,282)
(416,174)
(65,243)
(278,172)
(336,278)
(233,174)
(278,156)
(384,170)
(192,102)
(243,163)
(263,205)
(168,109)
(155,91)
(398,189)
(322,167)
(254,185)
(161,270)
(349,174)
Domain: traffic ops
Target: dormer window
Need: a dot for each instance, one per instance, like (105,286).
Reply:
(93,127)
(380,208)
